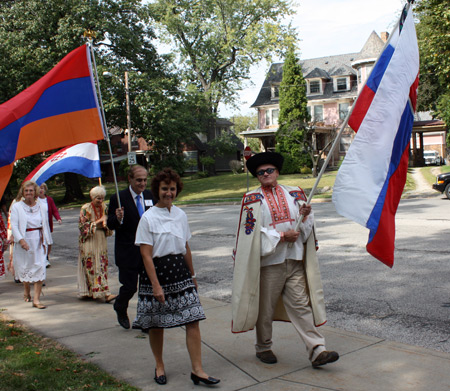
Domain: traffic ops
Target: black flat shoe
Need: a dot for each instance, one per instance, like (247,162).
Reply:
(123,320)
(209,381)
(160,379)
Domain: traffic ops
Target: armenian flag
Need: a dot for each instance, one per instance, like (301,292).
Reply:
(60,109)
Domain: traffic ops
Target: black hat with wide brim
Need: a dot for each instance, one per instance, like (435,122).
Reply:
(265,158)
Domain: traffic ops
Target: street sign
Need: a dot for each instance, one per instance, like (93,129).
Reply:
(131,158)
(247,152)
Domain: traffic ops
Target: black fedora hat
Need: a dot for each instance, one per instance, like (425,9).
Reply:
(265,158)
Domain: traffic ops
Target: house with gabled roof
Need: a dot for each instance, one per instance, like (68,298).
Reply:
(332,85)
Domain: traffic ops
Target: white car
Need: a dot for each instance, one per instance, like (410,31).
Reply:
(432,158)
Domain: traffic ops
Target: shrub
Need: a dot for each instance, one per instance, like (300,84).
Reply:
(291,165)
(305,170)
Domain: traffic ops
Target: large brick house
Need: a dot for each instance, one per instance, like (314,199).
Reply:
(332,86)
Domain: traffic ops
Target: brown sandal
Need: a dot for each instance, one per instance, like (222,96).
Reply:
(39,306)
(110,298)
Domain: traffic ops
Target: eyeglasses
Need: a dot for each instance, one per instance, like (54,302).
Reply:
(268,170)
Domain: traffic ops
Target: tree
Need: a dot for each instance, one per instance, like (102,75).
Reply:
(218,41)
(293,118)
(170,121)
(246,122)
(36,34)
(433,31)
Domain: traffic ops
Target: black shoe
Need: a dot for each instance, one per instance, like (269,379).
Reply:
(209,381)
(160,379)
(123,320)
(325,357)
(267,357)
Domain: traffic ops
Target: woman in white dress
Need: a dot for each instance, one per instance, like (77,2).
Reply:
(29,225)
(168,294)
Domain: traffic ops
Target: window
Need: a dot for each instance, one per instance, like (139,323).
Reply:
(318,113)
(190,157)
(275,113)
(275,92)
(272,116)
(314,87)
(343,110)
(341,84)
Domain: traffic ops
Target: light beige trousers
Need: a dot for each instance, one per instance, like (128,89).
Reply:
(288,280)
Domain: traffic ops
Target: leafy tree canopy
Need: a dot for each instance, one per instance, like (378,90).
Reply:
(218,41)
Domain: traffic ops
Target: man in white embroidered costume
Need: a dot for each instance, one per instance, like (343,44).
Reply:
(273,260)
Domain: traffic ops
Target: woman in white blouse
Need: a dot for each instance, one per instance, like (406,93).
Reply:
(168,287)
(29,225)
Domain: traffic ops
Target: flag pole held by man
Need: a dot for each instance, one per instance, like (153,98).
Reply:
(60,109)
(371,179)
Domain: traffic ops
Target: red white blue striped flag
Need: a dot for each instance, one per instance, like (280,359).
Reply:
(371,179)
(81,159)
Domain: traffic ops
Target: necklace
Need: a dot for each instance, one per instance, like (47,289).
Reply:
(98,211)
(32,207)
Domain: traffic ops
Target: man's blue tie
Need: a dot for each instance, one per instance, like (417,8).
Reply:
(139,205)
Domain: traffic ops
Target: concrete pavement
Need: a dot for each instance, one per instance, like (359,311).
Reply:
(90,329)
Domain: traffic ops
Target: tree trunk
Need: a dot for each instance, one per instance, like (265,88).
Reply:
(73,188)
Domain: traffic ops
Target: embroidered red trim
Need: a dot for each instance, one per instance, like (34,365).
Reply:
(279,209)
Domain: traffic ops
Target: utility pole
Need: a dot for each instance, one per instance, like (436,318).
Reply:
(127,94)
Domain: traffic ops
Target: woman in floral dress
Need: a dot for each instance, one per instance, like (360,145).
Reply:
(93,257)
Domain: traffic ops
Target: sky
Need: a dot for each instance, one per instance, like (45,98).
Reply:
(326,27)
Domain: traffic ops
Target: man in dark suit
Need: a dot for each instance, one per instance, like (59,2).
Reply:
(134,201)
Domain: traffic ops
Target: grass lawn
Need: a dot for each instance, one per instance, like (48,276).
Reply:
(429,176)
(31,362)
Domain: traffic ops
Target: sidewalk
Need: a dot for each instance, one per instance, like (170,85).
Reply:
(91,330)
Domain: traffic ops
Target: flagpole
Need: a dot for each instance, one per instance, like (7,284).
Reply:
(105,129)
(344,124)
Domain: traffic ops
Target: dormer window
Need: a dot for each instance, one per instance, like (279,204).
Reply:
(341,84)
(315,87)
(275,91)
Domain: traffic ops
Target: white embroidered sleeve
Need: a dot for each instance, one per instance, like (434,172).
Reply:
(269,240)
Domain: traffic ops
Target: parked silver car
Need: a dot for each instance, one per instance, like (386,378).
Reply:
(432,158)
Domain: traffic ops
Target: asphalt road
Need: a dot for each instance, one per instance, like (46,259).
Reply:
(409,303)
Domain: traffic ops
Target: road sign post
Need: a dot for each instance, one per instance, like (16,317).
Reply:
(247,155)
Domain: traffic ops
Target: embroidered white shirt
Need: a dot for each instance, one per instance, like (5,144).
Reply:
(273,251)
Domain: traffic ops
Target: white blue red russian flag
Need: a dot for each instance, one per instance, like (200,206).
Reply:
(81,159)
(371,179)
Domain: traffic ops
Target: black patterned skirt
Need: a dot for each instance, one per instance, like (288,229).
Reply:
(182,304)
